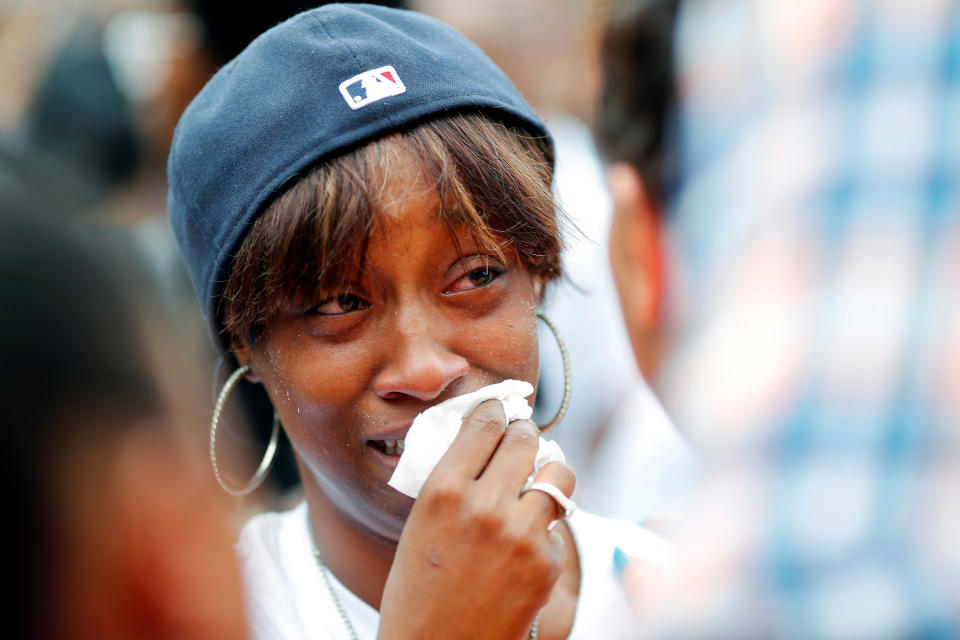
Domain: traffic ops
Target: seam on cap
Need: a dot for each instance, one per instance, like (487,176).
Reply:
(381,109)
(323,25)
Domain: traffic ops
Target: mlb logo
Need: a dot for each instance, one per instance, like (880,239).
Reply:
(370,86)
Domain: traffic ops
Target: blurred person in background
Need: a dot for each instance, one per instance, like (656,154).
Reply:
(785,244)
(630,461)
(114,530)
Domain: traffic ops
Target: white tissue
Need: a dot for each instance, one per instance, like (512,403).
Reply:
(434,430)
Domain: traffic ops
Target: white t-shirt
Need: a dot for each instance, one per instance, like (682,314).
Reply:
(288,600)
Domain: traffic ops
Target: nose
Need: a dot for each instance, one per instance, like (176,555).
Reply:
(420,362)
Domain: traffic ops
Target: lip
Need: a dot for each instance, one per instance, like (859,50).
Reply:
(396,433)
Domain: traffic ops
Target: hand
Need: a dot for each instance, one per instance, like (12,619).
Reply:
(475,559)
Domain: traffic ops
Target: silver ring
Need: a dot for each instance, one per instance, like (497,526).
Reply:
(567,506)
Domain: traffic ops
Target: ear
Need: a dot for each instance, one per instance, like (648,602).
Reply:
(243,352)
(636,258)
(538,287)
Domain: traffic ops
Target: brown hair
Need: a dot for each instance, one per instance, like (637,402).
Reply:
(493,179)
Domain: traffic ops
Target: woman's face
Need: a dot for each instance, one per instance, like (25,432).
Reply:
(423,322)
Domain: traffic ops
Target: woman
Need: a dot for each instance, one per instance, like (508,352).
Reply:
(364,203)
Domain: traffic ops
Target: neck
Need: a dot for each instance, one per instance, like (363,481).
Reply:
(361,562)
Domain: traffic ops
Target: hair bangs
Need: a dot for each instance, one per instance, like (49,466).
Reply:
(495,182)
(310,240)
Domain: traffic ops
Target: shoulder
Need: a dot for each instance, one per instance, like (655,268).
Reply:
(262,537)
(270,550)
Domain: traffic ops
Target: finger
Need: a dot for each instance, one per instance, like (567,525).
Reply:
(512,462)
(543,506)
(479,435)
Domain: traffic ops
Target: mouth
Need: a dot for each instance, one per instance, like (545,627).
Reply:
(389,447)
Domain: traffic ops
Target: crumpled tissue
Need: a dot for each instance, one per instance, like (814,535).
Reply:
(434,430)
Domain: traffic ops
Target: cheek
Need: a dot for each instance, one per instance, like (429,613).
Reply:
(510,338)
(312,386)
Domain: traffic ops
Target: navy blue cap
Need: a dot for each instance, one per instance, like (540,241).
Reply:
(307,90)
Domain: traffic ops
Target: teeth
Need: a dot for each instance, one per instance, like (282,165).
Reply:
(393,447)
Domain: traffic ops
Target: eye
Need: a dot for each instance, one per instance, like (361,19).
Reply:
(480,277)
(338,305)
(476,278)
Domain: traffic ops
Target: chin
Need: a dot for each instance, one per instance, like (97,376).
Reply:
(385,514)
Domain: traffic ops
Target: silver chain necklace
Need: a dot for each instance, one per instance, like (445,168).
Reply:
(325,574)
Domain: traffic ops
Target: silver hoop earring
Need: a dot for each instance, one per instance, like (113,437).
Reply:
(268,456)
(565,402)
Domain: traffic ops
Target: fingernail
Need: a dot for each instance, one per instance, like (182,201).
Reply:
(620,560)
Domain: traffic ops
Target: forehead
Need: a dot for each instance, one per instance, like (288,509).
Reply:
(412,220)
(401,181)
(409,189)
